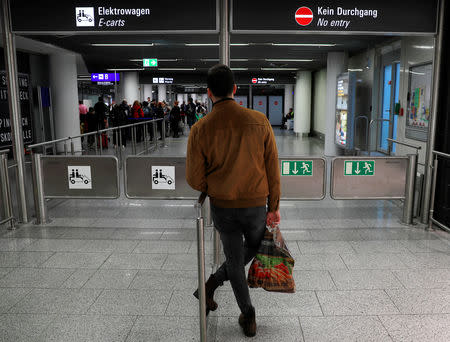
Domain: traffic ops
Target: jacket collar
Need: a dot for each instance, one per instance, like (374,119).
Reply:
(223,100)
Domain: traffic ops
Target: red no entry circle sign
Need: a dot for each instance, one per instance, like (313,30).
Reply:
(260,103)
(254,80)
(241,103)
(304,16)
(276,103)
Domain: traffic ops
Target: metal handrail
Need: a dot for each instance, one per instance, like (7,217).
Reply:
(201,265)
(45,143)
(404,144)
(6,191)
(441,154)
(433,191)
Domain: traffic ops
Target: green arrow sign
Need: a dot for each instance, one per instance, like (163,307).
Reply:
(296,167)
(150,62)
(359,168)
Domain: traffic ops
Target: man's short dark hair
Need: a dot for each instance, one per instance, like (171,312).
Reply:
(220,80)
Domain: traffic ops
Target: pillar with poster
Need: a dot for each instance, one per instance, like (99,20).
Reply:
(25,109)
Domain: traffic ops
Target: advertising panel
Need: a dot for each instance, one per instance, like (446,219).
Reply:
(25,109)
(342,110)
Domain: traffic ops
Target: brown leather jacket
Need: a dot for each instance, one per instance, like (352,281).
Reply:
(232,155)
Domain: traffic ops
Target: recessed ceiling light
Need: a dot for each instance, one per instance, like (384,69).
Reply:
(426,47)
(284,69)
(159,60)
(239,69)
(177,69)
(217,59)
(305,44)
(287,60)
(240,44)
(121,44)
(355,70)
(126,69)
(202,44)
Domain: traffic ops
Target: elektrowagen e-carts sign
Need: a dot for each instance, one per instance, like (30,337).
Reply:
(344,16)
(49,16)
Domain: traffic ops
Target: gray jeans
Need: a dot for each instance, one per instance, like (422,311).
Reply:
(234,224)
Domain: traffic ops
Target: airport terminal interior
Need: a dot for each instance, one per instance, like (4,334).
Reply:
(100,236)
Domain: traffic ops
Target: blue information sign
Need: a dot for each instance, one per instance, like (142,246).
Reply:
(105,77)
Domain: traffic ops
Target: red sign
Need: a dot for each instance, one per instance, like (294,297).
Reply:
(254,80)
(260,103)
(241,103)
(276,103)
(304,16)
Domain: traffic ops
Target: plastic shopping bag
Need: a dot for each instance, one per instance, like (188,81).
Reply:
(273,264)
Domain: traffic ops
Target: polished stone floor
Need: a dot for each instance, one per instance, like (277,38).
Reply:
(125,270)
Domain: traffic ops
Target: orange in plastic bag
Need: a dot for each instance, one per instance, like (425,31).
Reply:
(273,264)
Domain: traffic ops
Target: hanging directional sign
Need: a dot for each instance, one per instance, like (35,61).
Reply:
(296,167)
(359,168)
(111,77)
(150,62)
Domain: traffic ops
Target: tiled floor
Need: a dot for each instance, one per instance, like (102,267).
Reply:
(125,271)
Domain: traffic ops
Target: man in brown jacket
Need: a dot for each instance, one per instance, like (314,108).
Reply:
(232,156)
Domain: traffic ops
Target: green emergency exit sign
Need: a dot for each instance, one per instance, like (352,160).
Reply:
(150,62)
(296,167)
(359,168)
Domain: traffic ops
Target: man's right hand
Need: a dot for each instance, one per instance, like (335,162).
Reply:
(273,218)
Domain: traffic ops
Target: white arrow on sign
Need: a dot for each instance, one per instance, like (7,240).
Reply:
(153,62)
(358,171)
(295,171)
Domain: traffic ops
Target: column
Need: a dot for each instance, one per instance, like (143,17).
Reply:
(130,87)
(63,82)
(288,97)
(302,105)
(337,63)
(180,98)
(147,92)
(162,92)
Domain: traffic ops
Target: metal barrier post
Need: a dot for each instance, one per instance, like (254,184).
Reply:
(408,207)
(201,270)
(65,148)
(38,187)
(133,139)
(163,133)
(155,133)
(433,192)
(72,147)
(6,191)
(145,137)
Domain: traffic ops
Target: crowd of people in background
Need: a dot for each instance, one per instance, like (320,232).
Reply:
(174,116)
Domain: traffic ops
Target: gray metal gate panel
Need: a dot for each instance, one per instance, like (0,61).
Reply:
(104,177)
(138,178)
(388,181)
(275,110)
(242,100)
(260,104)
(304,187)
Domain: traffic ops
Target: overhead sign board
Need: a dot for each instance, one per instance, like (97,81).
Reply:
(162,80)
(112,16)
(363,16)
(150,62)
(262,80)
(105,77)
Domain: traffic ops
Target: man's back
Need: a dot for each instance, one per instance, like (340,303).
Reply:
(241,157)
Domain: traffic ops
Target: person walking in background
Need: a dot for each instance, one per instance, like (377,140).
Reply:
(190,112)
(137,114)
(159,114)
(83,110)
(232,156)
(175,118)
(101,110)
(92,125)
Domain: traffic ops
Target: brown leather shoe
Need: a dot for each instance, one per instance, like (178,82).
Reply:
(248,323)
(210,286)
